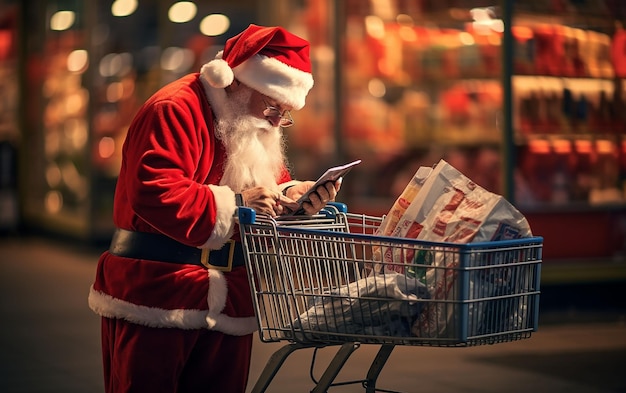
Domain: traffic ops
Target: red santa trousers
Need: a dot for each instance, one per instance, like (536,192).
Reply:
(167,360)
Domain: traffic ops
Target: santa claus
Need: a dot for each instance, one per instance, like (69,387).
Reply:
(172,290)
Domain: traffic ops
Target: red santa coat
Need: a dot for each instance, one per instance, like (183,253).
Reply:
(169,183)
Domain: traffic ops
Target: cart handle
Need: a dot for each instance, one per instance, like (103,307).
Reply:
(341,207)
(247,215)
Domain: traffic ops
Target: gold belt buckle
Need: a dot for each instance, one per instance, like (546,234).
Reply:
(204,258)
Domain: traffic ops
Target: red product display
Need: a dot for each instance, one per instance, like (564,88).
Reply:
(618,52)
(549,51)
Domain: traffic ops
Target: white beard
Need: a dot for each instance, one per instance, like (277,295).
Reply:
(255,151)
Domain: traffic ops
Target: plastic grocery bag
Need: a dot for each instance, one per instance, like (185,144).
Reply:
(378,305)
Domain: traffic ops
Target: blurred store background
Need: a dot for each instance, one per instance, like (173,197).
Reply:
(525,97)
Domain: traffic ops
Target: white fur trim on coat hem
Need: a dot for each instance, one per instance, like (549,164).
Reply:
(217,301)
(218,291)
(110,307)
(233,326)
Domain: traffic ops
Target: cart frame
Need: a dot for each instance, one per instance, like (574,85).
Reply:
(330,280)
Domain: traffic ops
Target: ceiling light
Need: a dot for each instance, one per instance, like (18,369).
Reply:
(62,20)
(182,12)
(123,7)
(214,25)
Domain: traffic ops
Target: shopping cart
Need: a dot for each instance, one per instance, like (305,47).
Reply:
(330,280)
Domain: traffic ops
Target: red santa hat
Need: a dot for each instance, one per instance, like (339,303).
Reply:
(270,60)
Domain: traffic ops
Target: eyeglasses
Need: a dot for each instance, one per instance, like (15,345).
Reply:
(285,118)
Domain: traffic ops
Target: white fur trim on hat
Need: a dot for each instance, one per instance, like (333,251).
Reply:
(217,72)
(275,79)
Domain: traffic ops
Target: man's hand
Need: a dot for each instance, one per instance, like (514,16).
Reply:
(266,201)
(318,199)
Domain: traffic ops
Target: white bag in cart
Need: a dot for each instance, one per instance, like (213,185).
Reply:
(381,305)
(451,208)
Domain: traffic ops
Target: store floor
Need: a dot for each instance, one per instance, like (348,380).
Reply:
(49,339)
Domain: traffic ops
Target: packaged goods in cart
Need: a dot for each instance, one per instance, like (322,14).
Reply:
(404,200)
(460,211)
(389,223)
(449,207)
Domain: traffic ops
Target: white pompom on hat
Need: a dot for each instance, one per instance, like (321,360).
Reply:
(270,60)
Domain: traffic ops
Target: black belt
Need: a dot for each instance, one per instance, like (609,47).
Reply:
(157,247)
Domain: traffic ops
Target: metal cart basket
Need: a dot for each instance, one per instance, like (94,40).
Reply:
(330,280)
